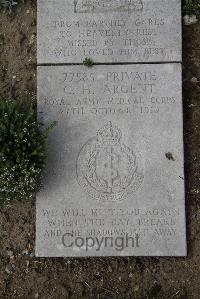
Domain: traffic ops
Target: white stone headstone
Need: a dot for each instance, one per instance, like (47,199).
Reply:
(114,183)
(109,31)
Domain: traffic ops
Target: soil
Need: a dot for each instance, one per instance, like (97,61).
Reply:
(24,276)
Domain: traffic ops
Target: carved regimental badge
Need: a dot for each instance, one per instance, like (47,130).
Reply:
(97,6)
(107,169)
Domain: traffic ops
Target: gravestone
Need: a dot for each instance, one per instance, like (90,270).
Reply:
(114,183)
(109,31)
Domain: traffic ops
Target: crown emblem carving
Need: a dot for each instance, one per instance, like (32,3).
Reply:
(109,135)
(107,169)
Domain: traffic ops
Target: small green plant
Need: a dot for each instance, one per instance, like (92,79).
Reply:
(8,4)
(88,62)
(22,150)
(191,6)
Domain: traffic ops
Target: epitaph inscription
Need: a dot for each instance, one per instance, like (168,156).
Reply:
(109,31)
(109,189)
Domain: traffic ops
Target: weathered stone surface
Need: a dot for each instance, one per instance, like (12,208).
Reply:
(109,31)
(115,162)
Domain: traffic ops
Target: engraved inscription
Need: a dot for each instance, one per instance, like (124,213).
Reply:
(97,6)
(102,222)
(107,169)
(117,93)
(109,31)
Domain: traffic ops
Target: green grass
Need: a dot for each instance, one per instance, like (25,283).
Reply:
(88,62)
(191,6)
